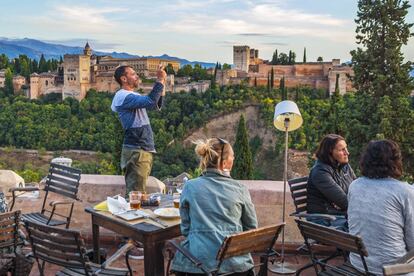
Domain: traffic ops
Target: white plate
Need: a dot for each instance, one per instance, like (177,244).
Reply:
(167,212)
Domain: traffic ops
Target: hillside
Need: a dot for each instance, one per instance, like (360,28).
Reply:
(225,127)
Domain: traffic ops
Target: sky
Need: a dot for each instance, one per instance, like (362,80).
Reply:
(202,30)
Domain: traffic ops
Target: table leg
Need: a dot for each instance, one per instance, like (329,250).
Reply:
(95,240)
(153,259)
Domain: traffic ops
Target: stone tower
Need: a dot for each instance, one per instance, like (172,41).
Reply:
(241,57)
(77,74)
(87,51)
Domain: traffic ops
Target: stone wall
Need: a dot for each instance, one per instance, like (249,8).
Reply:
(267,196)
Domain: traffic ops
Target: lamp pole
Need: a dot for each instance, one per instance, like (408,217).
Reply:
(287,118)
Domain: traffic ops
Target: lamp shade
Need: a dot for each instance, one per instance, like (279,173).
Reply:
(287,110)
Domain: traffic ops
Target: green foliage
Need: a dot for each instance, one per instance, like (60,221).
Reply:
(320,59)
(275,58)
(197,73)
(382,77)
(8,85)
(243,163)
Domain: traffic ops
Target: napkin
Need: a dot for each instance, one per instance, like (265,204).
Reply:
(117,205)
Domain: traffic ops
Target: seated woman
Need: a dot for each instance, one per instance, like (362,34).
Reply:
(212,207)
(328,182)
(381,208)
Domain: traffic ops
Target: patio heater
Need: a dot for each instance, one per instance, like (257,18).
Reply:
(287,118)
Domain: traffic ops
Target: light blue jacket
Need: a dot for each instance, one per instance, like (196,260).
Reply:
(212,207)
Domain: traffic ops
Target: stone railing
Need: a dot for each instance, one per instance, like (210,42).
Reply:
(267,196)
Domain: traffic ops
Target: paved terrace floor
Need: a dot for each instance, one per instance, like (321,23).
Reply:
(138,265)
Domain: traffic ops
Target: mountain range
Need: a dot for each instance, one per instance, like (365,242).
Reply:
(34,48)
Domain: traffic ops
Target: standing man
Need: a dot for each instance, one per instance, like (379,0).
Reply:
(138,144)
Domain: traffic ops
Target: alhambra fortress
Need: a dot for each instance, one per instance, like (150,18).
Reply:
(79,73)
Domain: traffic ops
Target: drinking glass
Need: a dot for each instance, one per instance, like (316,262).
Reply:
(135,199)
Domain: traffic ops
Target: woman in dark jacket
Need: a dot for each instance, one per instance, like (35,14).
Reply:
(329,181)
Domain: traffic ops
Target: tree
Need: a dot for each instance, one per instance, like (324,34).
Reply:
(243,164)
(42,64)
(275,59)
(282,89)
(272,78)
(226,66)
(283,59)
(8,84)
(379,63)
(169,69)
(304,55)
(381,75)
(320,59)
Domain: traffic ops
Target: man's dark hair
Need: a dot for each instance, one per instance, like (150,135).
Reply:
(325,148)
(381,159)
(119,72)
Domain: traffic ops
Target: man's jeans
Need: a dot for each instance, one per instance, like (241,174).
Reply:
(340,223)
(137,164)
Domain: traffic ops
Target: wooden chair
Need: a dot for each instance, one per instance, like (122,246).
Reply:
(61,180)
(298,190)
(403,265)
(299,193)
(65,247)
(341,240)
(259,240)
(11,241)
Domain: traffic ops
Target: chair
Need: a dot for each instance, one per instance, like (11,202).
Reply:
(403,265)
(341,240)
(61,180)
(298,190)
(299,193)
(259,240)
(65,247)
(11,241)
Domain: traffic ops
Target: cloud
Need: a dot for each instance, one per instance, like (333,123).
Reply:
(261,20)
(254,34)
(81,19)
(275,43)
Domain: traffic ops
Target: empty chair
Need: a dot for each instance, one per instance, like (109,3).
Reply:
(61,180)
(65,247)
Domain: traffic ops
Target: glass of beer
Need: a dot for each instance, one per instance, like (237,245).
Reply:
(176,200)
(135,199)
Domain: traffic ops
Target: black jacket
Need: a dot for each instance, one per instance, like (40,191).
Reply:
(328,188)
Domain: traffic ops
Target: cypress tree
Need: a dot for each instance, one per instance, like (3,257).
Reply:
(275,58)
(243,164)
(272,78)
(8,84)
(43,67)
(282,88)
(304,55)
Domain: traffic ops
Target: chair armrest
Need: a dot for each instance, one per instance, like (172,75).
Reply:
(60,202)
(322,216)
(23,189)
(397,269)
(175,244)
(407,258)
(128,246)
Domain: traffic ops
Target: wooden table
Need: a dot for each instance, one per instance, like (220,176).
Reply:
(151,236)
